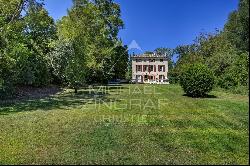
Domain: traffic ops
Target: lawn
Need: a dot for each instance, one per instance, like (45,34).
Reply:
(128,124)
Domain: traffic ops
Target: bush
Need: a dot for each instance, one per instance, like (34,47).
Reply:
(174,77)
(7,76)
(32,68)
(33,71)
(235,76)
(197,80)
(243,90)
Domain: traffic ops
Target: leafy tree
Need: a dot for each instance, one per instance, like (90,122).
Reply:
(37,32)
(7,75)
(10,13)
(67,64)
(11,27)
(222,51)
(128,75)
(32,69)
(94,25)
(168,53)
(236,75)
(186,55)
(87,41)
(25,32)
(39,29)
(120,62)
(11,24)
(75,72)
(237,27)
(58,60)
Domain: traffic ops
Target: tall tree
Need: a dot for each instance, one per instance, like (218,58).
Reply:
(120,62)
(237,27)
(94,24)
(40,28)
(26,30)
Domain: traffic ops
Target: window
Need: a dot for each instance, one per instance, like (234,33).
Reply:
(161,60)
(161,77)
(151,68)
(138,68)
(145,68)
(138,60)
(161,68)
(151,60)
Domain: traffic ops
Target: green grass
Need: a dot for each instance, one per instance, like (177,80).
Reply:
(112,128)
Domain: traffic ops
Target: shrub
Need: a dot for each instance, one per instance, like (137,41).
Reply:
(7,76)
(31,67)
(197,80)
(174,76)
(33,70)
(235,76)
(243,90)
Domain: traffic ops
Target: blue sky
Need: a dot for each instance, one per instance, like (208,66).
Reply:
(162,23)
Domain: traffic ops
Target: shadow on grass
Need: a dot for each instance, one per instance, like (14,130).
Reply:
(61,100)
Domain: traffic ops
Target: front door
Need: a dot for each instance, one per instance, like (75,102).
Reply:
(161,78)
(139,78)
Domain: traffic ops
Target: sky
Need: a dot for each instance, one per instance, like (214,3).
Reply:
(162,23)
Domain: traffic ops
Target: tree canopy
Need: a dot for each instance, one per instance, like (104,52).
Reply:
(83,47)
(225,52)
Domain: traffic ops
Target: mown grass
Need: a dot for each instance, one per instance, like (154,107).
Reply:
(126,125)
